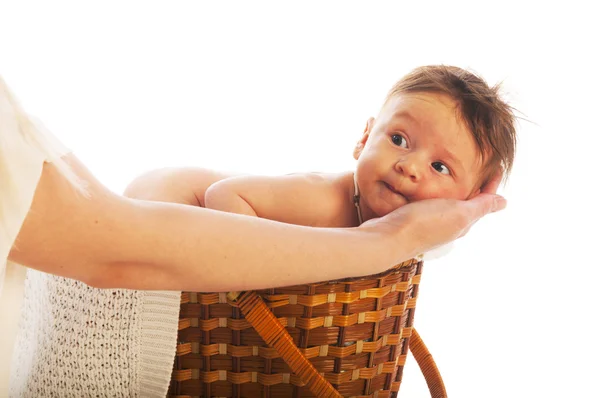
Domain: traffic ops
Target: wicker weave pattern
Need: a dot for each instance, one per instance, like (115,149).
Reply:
(355,332)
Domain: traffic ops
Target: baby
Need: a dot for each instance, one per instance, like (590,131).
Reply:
(442,132)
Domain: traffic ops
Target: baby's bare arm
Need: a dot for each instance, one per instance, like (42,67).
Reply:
(303,199)
(175,185)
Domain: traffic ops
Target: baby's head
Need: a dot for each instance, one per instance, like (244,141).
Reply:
(441,133)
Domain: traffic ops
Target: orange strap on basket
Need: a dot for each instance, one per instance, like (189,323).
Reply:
(274,334)
(427,364)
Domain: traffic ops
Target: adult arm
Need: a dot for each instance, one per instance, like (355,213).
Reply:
(188,185)
(108,240)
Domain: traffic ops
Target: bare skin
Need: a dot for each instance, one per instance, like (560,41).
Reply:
(111,241)
(417,149)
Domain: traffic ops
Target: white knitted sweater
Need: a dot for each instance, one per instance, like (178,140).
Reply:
(77,341)
(73,341)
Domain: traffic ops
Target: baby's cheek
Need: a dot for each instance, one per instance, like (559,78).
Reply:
(437,192)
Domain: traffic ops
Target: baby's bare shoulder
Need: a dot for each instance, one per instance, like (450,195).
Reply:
(324,179)
(329,196)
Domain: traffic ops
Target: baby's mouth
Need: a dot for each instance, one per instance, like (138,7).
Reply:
(391,188)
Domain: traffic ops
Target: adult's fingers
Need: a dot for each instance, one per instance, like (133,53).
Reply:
(479,206)
(485,203)
(492,185)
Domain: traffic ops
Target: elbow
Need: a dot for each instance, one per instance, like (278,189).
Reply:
(108,277)
(98,281)
(213,197)
(224,196)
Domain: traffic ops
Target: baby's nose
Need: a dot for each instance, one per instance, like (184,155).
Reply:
(408,169)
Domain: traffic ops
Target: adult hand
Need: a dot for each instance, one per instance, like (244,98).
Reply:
(422,226)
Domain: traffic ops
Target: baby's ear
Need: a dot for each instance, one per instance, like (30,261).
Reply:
(360,145)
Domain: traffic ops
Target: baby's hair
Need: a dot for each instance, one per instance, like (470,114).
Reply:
(480,107)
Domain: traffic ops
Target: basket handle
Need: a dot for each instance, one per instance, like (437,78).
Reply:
(428,367)
(274,334)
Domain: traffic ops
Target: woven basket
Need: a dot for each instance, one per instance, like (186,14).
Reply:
(340,338)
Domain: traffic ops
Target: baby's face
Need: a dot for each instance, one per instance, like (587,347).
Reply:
(417,148)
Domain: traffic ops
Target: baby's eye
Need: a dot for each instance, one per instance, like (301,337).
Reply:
(397,139)
(440,167)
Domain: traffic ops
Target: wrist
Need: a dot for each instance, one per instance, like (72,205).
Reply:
(392,244)
(378,251)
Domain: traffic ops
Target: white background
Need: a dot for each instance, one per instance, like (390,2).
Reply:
(284,87)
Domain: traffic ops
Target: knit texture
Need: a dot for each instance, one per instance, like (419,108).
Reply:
(77,341)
